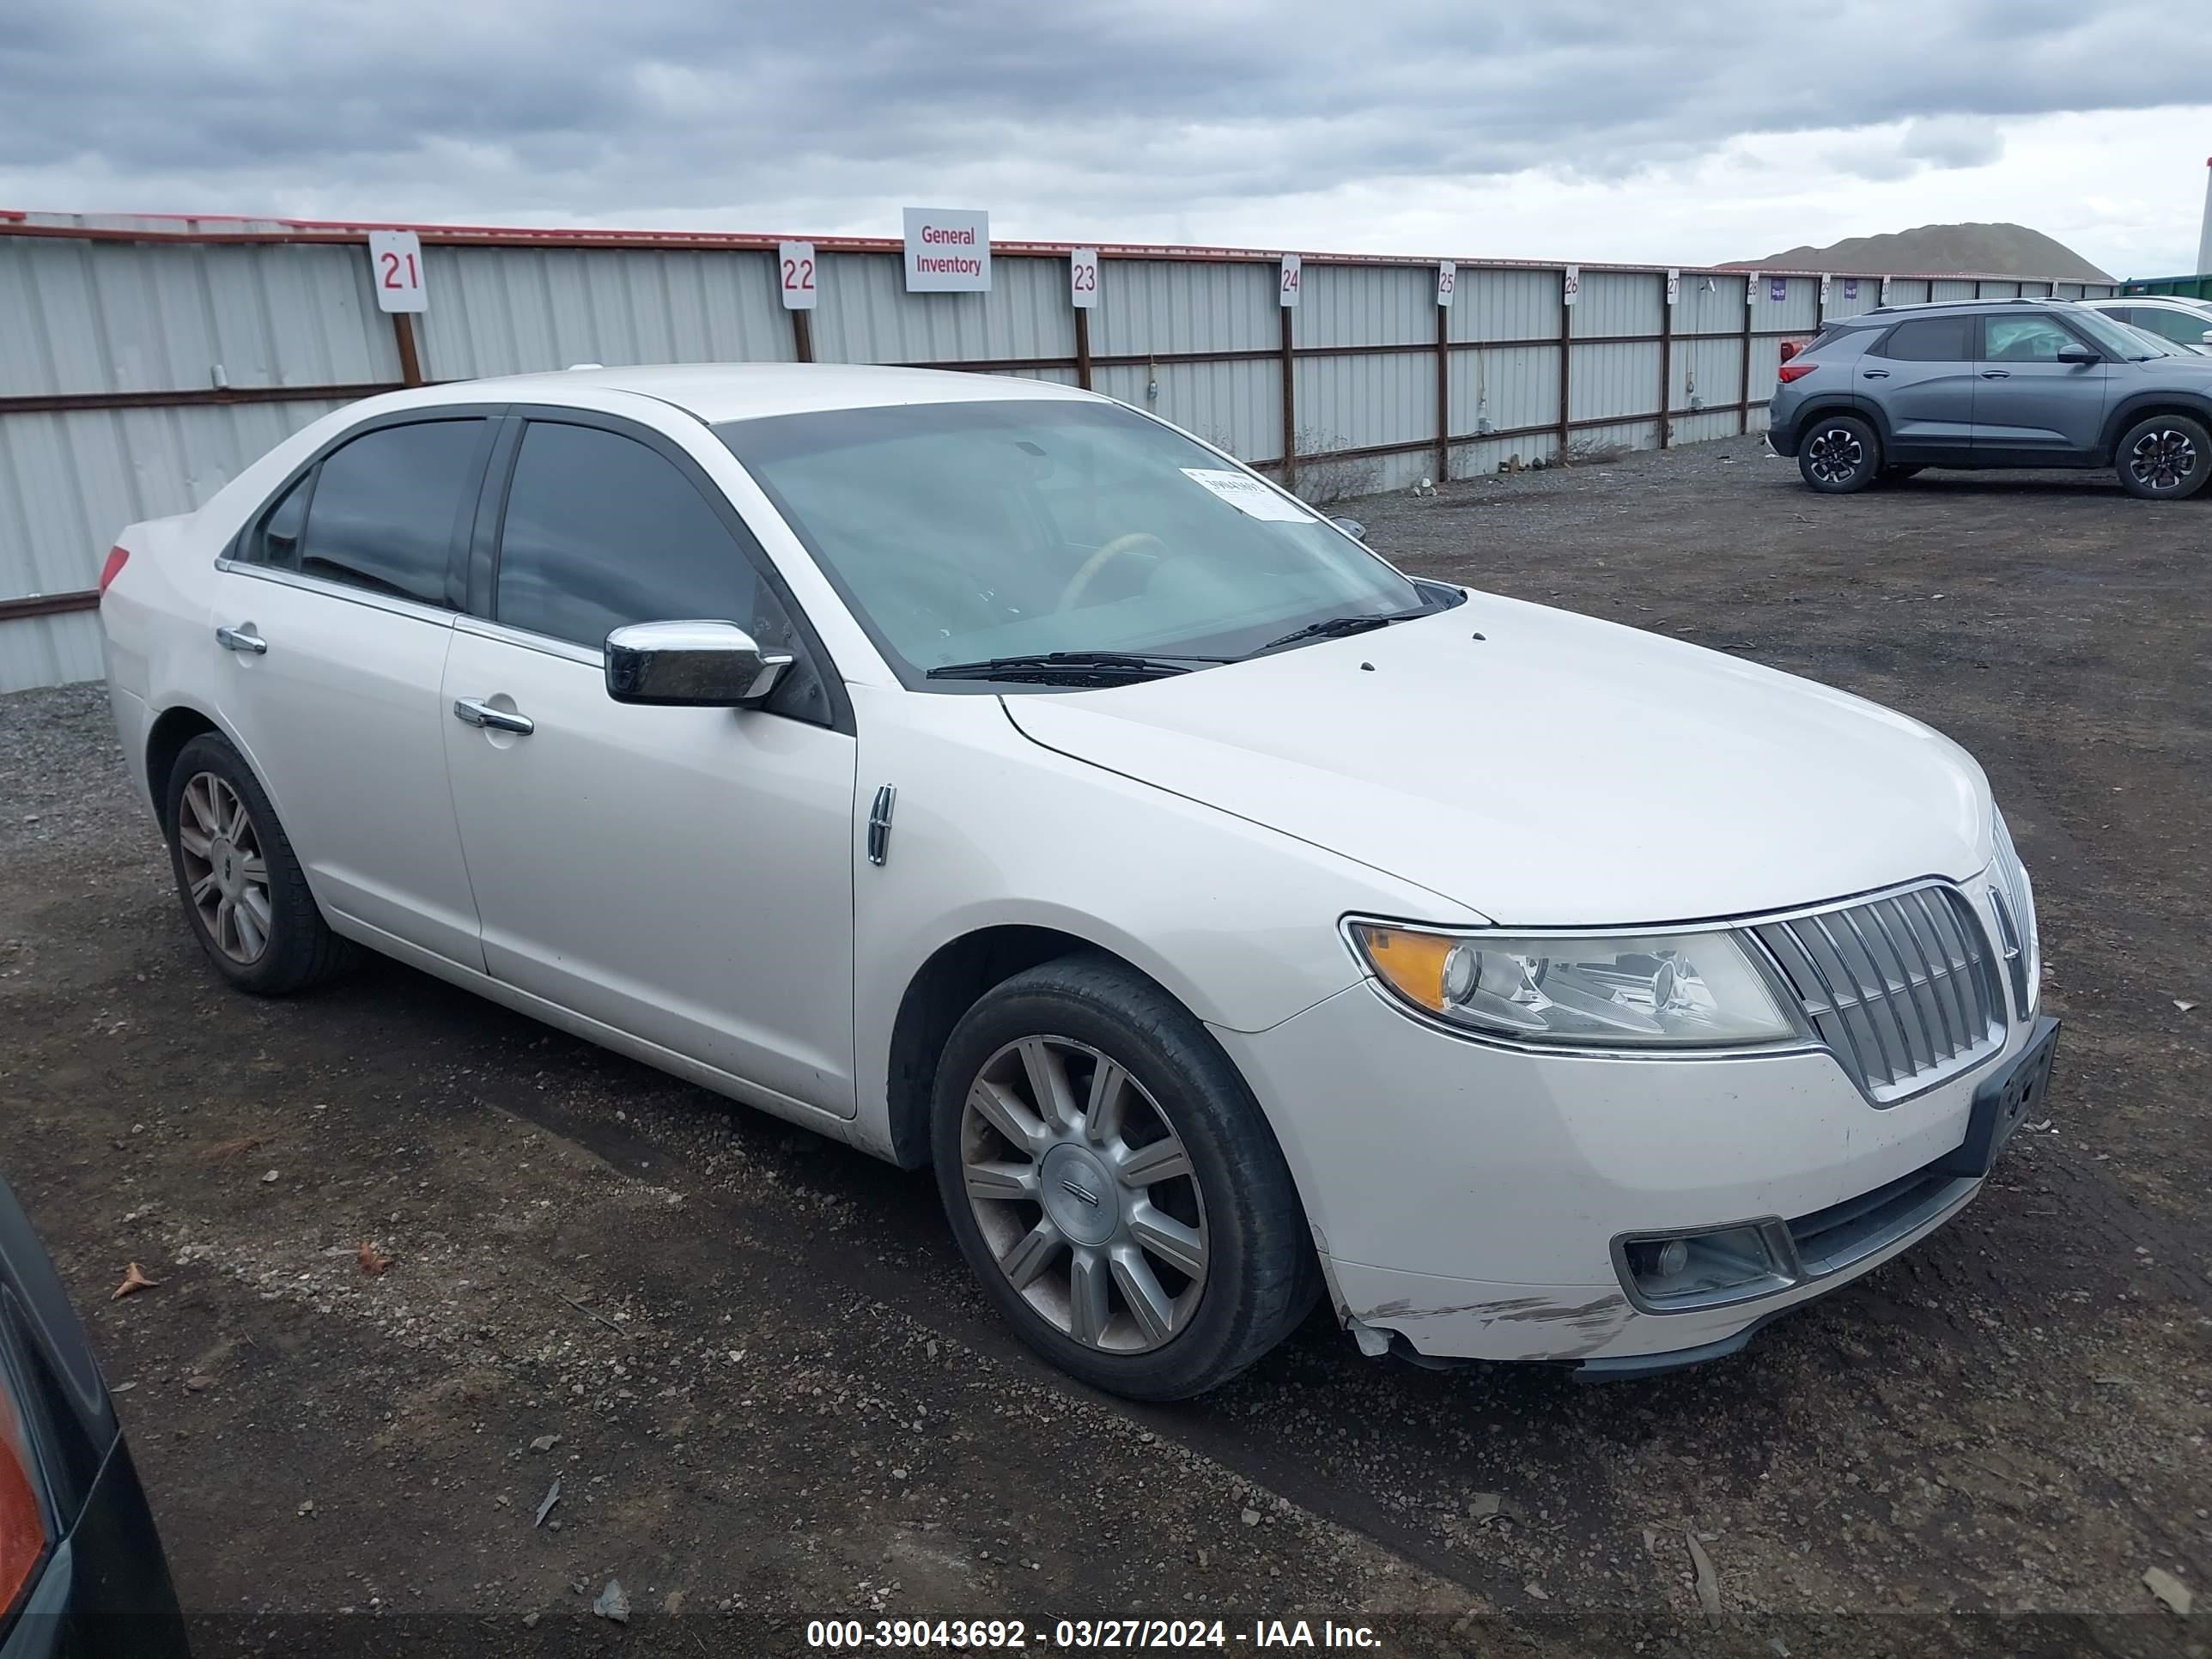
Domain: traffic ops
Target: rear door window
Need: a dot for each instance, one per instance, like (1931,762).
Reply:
(2183,328)
(1929,340)
(274,539)
(388,509)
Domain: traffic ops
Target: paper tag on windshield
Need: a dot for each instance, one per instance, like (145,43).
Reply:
(1248,495)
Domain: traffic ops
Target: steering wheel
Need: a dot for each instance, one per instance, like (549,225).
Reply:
(1080,583)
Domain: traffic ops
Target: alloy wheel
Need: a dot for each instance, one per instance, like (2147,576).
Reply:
(1835,456)
(1084,1195)
(2163,459)
(225,872)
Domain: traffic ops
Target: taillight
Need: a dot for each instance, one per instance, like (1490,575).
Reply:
(117,558)
(1796,370)
(22,1524)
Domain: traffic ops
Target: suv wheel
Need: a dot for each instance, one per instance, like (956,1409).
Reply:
(244,892)
(2163,458)
(1113,1184)
(1839,454)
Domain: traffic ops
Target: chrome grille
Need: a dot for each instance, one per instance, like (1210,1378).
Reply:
(1902,989)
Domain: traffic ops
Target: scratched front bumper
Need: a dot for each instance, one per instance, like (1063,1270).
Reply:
(1465,1196)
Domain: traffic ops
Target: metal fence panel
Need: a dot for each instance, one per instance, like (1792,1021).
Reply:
(1852,296)
(865,314)
(39,651)
(1613,380)
(1710,302)
(1620,302)
(1365,305)
(1184,305)
(1236,406)
(1506,305)
(1372,398)
(98,317)
(1504,388)
(513,311)
(1951,287)
(1705,372)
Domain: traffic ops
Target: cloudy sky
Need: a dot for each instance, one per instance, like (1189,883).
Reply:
(1627,130)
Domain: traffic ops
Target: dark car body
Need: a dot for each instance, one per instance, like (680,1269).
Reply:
(1980,383)
(101,1584)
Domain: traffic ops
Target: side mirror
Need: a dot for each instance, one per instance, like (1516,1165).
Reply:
(1357,531)
(690,664)
(2075,352)
(2207,337)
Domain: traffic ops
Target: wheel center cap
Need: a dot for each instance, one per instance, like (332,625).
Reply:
(1078,1193)
(223,857)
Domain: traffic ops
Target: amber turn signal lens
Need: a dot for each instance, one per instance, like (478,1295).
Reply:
(1412,962)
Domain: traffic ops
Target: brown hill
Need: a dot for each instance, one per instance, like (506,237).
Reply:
(1990,250)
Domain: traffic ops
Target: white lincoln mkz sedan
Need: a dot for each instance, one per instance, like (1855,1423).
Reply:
(999,779)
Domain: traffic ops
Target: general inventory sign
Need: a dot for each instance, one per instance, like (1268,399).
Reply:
(948,251)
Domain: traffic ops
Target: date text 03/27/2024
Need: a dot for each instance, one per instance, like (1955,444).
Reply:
(1124,1634)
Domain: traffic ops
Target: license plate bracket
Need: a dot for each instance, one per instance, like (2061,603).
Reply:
(2004,1103)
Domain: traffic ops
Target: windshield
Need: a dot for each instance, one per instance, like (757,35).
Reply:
(2121,339)
(963,531)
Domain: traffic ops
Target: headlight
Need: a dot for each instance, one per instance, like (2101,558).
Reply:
(1682,990)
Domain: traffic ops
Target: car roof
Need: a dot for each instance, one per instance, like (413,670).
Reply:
(1882,315)
(2181,301)
(734,392)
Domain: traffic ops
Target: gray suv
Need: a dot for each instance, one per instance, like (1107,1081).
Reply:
(1993,383)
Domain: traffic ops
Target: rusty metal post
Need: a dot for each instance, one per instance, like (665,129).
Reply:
(410,359)
(1666,366)
(1444,393)
(802,335)
(1083,347)
(1289,404)
(1743,396)
(1566,367)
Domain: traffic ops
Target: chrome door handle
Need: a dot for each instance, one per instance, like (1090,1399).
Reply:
(1874,373)
(241,638)
(473,712)
(1996,374)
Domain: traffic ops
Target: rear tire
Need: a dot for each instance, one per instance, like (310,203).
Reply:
(245,898)
(1143,1233)
(2166,457)
(1838,455)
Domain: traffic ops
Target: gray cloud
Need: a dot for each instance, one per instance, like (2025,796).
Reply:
(825,115)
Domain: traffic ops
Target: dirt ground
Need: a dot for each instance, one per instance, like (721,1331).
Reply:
(769,1394)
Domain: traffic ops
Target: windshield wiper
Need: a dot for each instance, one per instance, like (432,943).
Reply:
(1071,665)
(1331,628)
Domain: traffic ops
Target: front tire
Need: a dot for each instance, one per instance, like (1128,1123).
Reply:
(245,895)
(1114,1185)
(2166,457)
(1838,455)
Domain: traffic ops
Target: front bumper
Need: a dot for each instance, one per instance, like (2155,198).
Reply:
(1465,1198)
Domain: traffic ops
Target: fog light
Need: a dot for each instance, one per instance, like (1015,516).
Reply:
(1697,1270)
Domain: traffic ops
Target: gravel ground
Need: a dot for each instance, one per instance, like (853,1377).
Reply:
(776,1397)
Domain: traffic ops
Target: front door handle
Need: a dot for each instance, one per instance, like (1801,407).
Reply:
(1996,374)
(1875,373)
(241,638)
(475,712)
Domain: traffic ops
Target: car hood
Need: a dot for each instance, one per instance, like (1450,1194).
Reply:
(1548,770)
